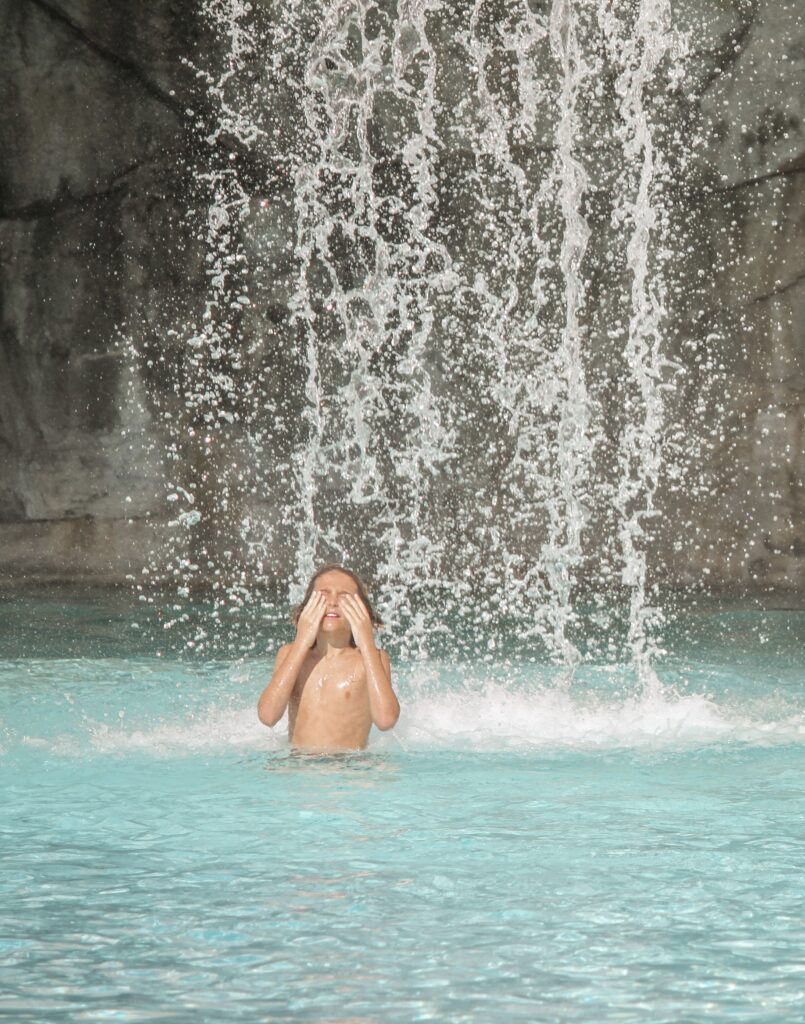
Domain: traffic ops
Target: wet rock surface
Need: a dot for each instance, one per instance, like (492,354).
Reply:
(91,191)
(100,129)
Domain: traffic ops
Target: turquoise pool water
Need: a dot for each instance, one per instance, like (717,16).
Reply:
(518,849)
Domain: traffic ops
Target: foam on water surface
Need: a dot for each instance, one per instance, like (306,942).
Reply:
(159,709)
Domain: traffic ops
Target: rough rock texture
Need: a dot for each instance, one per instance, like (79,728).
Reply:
(92,174)
(739,304)
(97,135)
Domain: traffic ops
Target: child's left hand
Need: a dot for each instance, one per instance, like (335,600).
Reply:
(358,618)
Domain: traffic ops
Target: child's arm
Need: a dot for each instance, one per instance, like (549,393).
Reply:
(290,657)
(383,703)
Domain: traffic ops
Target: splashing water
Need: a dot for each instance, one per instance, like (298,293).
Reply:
(640,460)
(410,222)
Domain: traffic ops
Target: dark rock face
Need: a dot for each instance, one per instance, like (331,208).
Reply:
(90,198)
(740,296)
(99,121)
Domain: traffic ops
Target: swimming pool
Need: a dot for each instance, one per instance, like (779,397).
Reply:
(517,849)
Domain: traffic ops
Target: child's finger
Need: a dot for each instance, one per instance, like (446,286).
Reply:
(356,606)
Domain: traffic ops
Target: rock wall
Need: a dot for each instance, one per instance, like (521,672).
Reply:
(91,186)
(100,124)
(739,301)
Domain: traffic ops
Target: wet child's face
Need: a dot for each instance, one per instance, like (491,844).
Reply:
(333,585)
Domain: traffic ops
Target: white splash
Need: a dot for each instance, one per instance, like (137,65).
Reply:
(487,718)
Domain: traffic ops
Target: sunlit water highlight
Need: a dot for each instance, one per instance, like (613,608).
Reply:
(516,849)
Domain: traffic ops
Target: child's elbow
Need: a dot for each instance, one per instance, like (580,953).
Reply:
(388,719)
(267,715)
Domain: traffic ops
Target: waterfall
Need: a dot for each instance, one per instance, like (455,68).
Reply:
(419,402)
(562,550)
(637,56)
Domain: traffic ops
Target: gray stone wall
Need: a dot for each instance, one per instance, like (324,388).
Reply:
(92,185)
(739,300)
(96,246)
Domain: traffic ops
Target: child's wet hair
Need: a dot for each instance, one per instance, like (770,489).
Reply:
(335,567)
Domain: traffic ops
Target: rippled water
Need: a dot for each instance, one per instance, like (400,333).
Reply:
(519,848)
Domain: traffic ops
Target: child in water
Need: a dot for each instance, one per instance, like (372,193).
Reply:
(332,678)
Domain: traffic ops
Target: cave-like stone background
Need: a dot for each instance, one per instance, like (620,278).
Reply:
(99,117)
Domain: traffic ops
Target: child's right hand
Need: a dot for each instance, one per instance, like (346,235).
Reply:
(307,628)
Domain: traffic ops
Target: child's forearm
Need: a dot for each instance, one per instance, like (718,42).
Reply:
(383,703)
(274,699)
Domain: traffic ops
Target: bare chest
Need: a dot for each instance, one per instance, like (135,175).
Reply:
(340,685)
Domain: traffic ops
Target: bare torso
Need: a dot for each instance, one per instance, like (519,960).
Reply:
(329,707)
(332,679)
